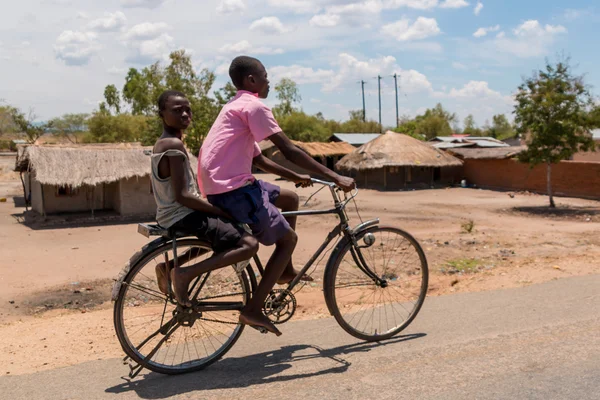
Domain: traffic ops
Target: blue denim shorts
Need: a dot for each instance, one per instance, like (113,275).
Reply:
(254,205)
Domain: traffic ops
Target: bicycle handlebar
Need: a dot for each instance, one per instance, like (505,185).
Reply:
(333,188)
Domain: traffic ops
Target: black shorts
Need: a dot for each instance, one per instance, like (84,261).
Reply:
(220,233)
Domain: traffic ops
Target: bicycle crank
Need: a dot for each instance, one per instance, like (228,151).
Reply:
(280,306)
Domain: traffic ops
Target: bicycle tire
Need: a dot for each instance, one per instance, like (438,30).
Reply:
(331,272)
(121,332)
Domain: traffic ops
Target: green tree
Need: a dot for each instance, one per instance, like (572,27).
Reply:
(501,129)
(26,124)
(7,124)
(355,124)
(470,126)
(112,98)
(305,128)
(435,122)
(69,126)
(106,128)
(554,110)
(288,95)
(225,94)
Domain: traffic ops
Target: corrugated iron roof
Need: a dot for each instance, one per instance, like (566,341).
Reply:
(596,134)
(356,139)
(445,142)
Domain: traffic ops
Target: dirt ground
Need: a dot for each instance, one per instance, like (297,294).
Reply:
(55,307)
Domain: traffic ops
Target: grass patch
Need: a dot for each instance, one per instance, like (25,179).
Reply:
(467,226)
(462,266)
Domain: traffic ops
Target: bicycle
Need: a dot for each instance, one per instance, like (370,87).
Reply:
(359,281)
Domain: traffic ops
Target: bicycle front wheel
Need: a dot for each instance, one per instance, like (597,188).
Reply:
(377,309)
(150,325)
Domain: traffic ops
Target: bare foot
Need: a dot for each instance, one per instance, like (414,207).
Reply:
(161,278)
(180,287)
(258,319)
(286,278)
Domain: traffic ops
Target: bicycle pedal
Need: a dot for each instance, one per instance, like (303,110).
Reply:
(261,329)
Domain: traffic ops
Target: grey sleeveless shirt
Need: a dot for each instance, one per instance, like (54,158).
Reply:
(169,211)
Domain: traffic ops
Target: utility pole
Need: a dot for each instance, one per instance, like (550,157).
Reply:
(396,87)
(362,84)
(379,90)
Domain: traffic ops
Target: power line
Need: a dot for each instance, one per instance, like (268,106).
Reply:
(396,88)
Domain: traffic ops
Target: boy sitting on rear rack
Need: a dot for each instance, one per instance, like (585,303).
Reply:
(181,208)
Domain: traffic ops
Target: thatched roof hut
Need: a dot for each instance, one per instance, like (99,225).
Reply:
(396,161)
(112,178)
(396,150)
(93,164)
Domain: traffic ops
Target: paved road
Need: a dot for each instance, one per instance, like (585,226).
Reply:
(539,342)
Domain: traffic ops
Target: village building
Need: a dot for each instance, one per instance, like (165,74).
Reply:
(327,154)
(463,141)
(107,179)
(355,139)
(395,161)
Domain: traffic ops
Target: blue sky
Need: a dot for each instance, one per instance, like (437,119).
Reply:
(57,56)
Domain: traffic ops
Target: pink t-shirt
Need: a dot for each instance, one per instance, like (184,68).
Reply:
(225,161)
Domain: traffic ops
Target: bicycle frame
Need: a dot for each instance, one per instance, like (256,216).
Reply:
(341,228)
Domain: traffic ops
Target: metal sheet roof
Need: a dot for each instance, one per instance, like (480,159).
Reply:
(596,134)
(356,139)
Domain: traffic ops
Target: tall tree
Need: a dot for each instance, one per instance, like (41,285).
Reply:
(112,98)
(69,126)
(470,127)
(288,95)
(435,122)
(554,112)
(501,129)
(27,124)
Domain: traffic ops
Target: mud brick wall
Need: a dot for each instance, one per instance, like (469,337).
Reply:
(569,178)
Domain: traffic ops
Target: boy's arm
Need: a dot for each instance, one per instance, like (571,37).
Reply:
(303,160)
(271,167)
(182,194)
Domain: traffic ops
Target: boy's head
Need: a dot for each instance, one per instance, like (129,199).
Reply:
(249,74)
(174,109)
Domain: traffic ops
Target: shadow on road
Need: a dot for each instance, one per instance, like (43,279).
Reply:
(252,370)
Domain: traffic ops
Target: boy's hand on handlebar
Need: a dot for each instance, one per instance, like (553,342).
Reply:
(345,183)
(303,181)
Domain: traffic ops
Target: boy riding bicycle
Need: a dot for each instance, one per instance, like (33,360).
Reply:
(224,173)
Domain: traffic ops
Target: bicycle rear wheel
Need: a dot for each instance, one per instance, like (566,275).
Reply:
(368,310)
(151,327)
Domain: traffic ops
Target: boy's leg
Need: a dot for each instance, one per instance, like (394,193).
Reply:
(289,201)
(162,269)
(245,248)
(252,314)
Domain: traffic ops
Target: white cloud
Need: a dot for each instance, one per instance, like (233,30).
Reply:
(146,30)
(500,35)
(246,48)
(231,6)
(301,75)
(350,68)
(76,48)
(457,65)
(297,6)
(142,3)
(154,49)
(223,69)
(117,71)
(478,8)
(109,23)
(416,4)
(574,14)
(268,25)
(474,89)
(530,39)
(454,4)
(325,20)
(481,32)
(402,30)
